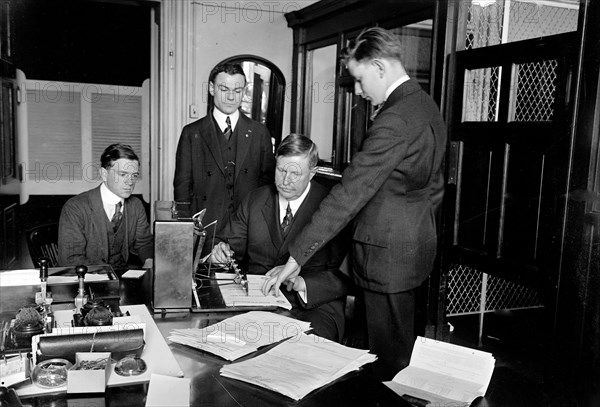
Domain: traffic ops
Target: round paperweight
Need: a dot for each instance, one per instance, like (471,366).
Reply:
(130,365)
(51,373)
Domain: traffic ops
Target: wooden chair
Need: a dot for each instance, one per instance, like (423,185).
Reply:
(42,241)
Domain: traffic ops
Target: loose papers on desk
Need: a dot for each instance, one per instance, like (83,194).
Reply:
(240,335)
(444,374)
(299,366)
(235,296)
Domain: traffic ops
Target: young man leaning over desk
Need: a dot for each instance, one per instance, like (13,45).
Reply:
(259,231)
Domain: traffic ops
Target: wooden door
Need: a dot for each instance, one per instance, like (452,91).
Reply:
(508,161)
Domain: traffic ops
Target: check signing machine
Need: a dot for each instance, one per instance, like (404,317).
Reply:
(179,239)
(173,256)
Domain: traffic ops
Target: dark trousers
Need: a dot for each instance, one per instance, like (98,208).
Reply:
(322,322)
(390,330)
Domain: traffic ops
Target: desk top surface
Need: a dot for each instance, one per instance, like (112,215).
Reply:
(209,388)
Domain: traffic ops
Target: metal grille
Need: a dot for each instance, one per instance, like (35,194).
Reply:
(533,20)
(469,289)
(487,26)
(481,94)
(504,294)
(535,85)
(484,25)
(464,291)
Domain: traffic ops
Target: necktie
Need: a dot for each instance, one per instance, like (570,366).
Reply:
(117,217)
(228,131)
(287,220)
(376,112)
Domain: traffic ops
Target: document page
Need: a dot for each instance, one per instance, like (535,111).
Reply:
(443,373)
(300,365)
(240,335)
(234,294)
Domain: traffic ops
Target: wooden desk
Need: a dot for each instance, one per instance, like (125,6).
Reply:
(209,388)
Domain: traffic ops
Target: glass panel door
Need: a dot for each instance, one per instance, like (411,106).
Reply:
(321,97)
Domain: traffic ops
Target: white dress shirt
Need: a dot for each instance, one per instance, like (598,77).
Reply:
(109,201)
(394,85)
(294,205)
(221,118)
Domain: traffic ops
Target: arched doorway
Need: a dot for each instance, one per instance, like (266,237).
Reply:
(264,94)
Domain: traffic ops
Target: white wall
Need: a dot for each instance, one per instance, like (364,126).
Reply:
(197,35)
(222,32)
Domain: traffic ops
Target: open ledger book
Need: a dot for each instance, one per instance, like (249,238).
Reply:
(442,374)
(298,366)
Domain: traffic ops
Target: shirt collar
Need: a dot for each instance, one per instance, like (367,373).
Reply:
(109,197)
(294,205)
(394,85)
(220,117)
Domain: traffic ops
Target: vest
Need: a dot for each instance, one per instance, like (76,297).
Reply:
(115,245)
(228,149)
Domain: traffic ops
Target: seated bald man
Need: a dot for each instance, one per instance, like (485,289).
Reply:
(259,231)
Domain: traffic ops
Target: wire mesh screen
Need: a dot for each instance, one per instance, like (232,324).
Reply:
(464,290)
(484,25)
(504,294)
(538,19)
(500,22)
(481,94)
(468,288)
(536,88)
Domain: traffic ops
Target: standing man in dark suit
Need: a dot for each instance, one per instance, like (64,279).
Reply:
(224,155)
(106,225)
(390,192)
(260,229)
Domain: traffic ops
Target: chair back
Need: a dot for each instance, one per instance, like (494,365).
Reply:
(42,241)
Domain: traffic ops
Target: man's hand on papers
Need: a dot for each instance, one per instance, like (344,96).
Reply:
(222,253)
(278,275)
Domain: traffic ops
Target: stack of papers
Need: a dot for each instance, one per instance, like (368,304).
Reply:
(443,374)
(235,296)
(240,335)
(300,365)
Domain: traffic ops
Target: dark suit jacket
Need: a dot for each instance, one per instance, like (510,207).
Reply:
(200,170)
(390,191)
(83,233)
(254,234)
